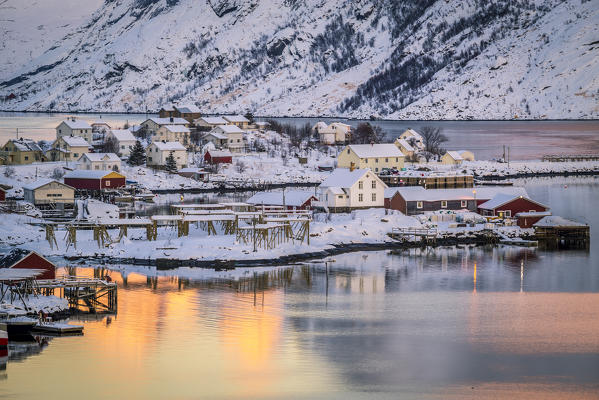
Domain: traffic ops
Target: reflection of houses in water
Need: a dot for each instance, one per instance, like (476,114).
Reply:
(20,350)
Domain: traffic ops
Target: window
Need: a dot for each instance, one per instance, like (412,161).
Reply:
(340,196)
(75,154)
(397,159)
(373,184)
(60,131)
(123,146)
(508,213)
(97,167)
(107,183)
(464,203)
(376,169)
(418,204)
(150,159)
(26,158)
(347,151)
(360,185)
(360,197)
(443,204)
(54,195)
(376,160)
(366,160)
(374,197)
(386,160)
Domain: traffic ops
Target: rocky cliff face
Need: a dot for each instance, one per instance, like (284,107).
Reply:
(410,59)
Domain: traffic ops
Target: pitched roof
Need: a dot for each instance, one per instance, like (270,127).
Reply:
(169,146)
(404,143)
(213,120)
(236,118)
(101,157)
(503,198)
(167,121)
(25,145)
(229,128)
(75,141)
(418,193)
(219,153)
(461,152)
(188,109)
(177,128)
(89,174)
(77,124)
(294,198)
(41,182)
(168,107)
(217,135)
(123,135)
(558,221)
(455,155)
(376,150)
(411,132)
(344,178)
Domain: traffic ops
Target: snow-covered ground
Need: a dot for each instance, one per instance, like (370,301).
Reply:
(364,226)
(35,304)
(493,168)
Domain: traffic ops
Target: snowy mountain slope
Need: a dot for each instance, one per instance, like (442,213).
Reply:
(28,28)
(412,59)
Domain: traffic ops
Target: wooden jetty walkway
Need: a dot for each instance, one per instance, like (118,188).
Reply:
(428,236)
(97,295)
(570,157)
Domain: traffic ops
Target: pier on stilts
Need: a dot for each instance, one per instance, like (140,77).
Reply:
(91,294)
(424,235)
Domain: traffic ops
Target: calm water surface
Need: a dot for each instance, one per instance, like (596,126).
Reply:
(446,323)
(525,139)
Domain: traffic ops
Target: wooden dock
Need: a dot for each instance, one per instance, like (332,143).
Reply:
(426,236)
(570,157)
(91,294)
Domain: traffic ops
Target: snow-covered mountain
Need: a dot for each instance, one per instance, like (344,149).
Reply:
(411,59)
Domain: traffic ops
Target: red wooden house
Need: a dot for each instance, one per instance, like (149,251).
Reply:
(218,157)
(528,219)
(506,206)
(2,194)
(94,180)
(24,259)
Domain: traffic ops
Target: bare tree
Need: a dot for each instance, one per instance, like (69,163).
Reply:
(240,166)
(412,158)
(433,138)
(9,171)
(57,174)
(111,145)
(367,133)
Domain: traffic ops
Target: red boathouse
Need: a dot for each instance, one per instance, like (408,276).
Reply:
(218,157)
(19,258)
(94,180)
(507,206)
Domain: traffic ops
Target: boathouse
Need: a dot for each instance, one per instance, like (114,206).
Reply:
(94,180)
(506,205)
(528,219)
(554,232)
(25,259)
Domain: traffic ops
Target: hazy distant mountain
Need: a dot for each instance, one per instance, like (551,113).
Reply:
(410,59)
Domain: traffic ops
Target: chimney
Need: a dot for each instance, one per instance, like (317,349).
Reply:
(352,166)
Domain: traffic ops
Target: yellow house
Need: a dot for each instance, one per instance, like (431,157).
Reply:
(21,151)
(46,192)
(466,155)
(239,120)
(68,148)
(452,158)
(405,147)
(373,156)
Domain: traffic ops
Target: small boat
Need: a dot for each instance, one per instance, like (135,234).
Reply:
(3,336)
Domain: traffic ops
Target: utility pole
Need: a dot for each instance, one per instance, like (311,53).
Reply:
(508,156)
(17,133)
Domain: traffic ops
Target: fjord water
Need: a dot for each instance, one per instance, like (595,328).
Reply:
(526,139)
(501,322)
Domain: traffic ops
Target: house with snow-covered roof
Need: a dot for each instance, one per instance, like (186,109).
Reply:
(347,189)
(406,148)
(151,125)
(218,157)
(75,127)
(21,151)
(291,199)
(173,133)
(158,152)
(467,155)
(68,148)
(234,137)
(124,139)
(342,131)
(416,199)
(100,162)
(372,156)
(188,111)
(413,138)
(49,193)
(238,120)
(506,205)
(209,122)
(452,158)
(100,127)
(326,135)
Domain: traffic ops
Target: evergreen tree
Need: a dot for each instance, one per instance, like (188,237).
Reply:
(137,155)
(171,164)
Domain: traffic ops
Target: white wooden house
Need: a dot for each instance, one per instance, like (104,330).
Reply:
(347,189)
(100,162)
(234,135)
(158,152)
(342,131)
(413,138)
(75,127)
(124,139)
(49,193)
(238,120)
(209,122)
(151,125)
